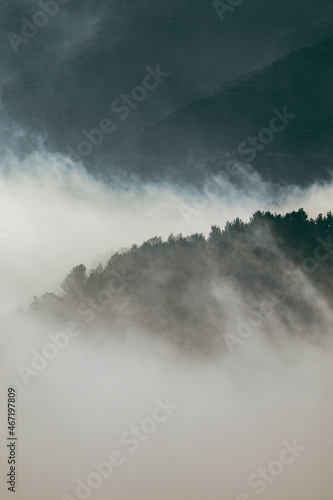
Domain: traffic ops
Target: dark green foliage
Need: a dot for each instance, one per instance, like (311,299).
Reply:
(168,288)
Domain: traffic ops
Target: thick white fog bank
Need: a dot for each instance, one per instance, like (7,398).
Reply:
(53,216)
(256,423)
(118,414)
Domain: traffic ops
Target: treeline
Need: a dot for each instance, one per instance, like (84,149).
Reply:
(187,287)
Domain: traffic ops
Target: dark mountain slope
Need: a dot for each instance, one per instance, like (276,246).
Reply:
(65,79)
(301,153)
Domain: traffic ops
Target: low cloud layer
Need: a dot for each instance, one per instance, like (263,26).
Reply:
(184,368)
(55,216)
(231,417)
(234,414)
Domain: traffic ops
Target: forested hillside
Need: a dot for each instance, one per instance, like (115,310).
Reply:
(194,290)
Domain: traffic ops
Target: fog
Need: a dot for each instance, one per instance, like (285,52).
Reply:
(235,408)
(234,413)
(208,374)
(53,216)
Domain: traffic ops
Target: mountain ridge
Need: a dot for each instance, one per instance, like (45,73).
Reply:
(216,122)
